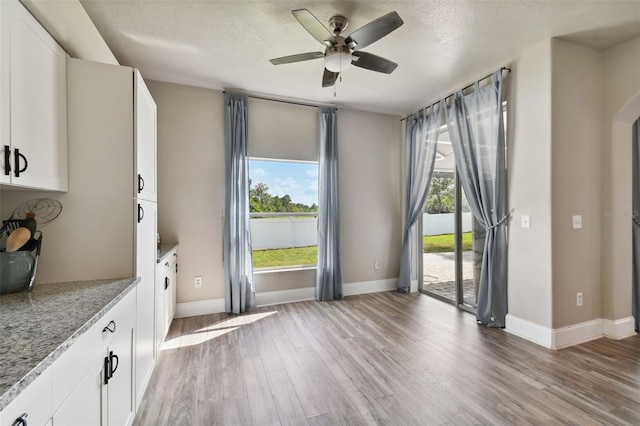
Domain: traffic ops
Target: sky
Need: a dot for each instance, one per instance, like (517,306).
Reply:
(299,180)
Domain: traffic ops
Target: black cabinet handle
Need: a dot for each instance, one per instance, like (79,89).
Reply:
(16,162)
(7,160)
(166,282)
(114,366)
(107,370)
(110,366)
(110,327)
(21,421)
(140,183)
(140,213)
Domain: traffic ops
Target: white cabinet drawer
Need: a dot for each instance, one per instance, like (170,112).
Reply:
(73,364)
(35,401)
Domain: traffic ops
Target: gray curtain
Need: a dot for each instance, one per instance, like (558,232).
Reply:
(238,271)
(421,140)
(636,224)
(476,128)
(329,267)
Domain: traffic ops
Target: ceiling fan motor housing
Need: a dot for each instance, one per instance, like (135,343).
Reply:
(338,23)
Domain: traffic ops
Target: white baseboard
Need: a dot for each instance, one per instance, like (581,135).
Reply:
(268,298)
(619,329)
(199,307)
(577,333)
(571,335)
(528,330)
(279,297)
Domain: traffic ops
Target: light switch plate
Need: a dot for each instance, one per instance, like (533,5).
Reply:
(525,221)
(577,221)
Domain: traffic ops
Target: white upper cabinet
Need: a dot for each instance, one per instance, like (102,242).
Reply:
(145,131)
(33,111)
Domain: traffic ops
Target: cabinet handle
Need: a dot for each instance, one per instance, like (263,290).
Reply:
(140,183)
(7,160)
(166,282)
(166,264)
(16,162)
(140,213)
(110,327)
(107,370)
(114,366)
(21,421)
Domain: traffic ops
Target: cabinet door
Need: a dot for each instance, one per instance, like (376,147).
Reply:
(87,402)
(38,104)
(170,295)
(119,390)
(145,131)
(145,303)
(160,300)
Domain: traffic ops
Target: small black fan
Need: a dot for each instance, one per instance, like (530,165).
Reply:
(341,52)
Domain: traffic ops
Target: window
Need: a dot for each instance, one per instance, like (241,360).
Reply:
(283,205)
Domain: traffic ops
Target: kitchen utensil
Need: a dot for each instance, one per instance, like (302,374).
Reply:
(18,238)
(18,269)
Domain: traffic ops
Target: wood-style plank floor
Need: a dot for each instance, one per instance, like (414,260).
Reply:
(384,358)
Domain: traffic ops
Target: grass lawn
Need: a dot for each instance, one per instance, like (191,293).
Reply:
(445,243)
(270,258)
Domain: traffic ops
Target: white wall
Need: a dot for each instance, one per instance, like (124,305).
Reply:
(191,192)
(191,183)
(576,172)
(621,108)
(529,185)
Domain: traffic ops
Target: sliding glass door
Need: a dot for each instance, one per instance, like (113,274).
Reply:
(452,242)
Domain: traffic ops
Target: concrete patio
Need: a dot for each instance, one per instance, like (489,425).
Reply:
(439,275)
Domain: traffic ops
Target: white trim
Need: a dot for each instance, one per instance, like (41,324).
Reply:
(364,287)
(618,329)
(279,297)
(529,330)
(268,298)
(199,307)
(571,335)
(576,334)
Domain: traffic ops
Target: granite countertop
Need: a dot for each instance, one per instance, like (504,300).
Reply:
(37,327)
(165,249)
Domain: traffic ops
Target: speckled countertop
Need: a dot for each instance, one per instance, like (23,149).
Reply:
(37,327)
(165,249)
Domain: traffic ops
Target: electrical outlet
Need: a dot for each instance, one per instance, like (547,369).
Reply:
(198,282)
(525,221)
(376,264)
(579,298)
(576,221)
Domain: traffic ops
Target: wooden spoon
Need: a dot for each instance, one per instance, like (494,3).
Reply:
(18,238)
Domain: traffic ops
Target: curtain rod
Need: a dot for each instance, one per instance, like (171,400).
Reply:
(463,89)
(285,102)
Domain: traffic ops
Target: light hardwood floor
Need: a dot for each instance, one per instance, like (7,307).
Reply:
(383,358)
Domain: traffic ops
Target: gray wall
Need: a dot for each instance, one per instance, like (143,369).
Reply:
(191,187)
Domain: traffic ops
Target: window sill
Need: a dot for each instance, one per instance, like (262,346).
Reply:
(285,269)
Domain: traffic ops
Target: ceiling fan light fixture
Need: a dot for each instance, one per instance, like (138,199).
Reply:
(337,60)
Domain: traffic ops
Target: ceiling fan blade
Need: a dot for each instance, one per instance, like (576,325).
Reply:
(313,26)
(329,78)
(297,58)
(373,62)
(375,30)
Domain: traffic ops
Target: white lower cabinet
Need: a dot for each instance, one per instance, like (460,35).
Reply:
(104,396)
(166,282)
(33,405)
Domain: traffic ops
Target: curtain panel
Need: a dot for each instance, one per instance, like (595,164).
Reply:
(421,140)
(476,127)
(635,224)
(329,265)
(239,295)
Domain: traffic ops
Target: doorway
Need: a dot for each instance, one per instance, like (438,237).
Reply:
(452,241)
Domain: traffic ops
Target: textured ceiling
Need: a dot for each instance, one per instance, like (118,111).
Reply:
(442,45)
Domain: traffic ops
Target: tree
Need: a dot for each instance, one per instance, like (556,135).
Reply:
(441,197)
(261,201)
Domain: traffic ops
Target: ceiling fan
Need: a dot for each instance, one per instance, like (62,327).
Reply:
(342,52)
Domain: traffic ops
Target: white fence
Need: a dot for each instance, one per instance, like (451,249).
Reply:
(284,232)
(444,223)
(296,231)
